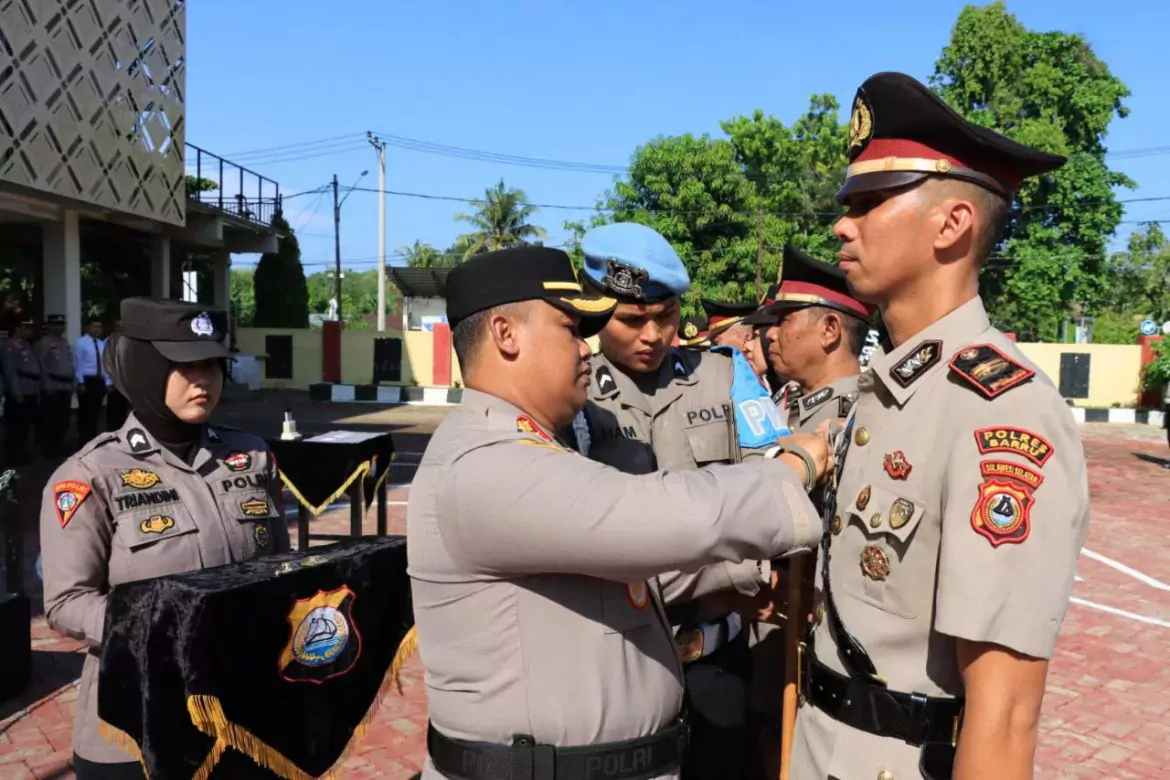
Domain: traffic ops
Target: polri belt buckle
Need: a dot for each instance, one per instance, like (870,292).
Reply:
(689,644)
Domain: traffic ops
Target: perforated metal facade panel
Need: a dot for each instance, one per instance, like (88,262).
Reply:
(92,102)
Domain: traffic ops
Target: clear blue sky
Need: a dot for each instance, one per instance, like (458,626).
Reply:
(581,81)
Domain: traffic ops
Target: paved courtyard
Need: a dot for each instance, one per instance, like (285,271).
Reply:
(1107,710)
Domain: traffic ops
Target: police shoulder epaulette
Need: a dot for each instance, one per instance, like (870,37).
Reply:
(109,437)
(988,370)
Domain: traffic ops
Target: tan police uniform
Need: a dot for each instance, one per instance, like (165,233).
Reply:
(831,402)
(57,387)
(22,386)
(963,504)
(125,509)
(534,576)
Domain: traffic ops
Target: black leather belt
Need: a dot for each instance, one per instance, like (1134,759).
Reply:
(911,717)
(632,759)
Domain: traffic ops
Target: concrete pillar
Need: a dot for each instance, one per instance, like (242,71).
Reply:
(160,266)
(61,267)
(221,281)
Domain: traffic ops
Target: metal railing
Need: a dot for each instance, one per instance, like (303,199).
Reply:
(230,188)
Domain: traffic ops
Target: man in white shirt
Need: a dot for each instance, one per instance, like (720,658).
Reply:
(92,379)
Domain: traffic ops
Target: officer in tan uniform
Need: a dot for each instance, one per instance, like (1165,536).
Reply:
(963,499)
(22,392)
(725,325)
(655,408)
(812,331)
(57,383)
(540,617)
(165,494)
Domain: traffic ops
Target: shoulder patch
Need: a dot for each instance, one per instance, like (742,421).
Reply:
(813,400)
(680,369)
(136,438)
(1002,513)
(918,362)
(605,381)
(68,496)
(988,370)
(1030,445)
(525,424)
(212,436)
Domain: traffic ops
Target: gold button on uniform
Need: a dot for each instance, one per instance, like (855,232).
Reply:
(835,526)
(819,612)
(884,775)
(861,437)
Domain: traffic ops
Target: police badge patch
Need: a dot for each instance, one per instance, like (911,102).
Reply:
(238,461)
(68,497)
(139,479)
(323,642)
(201,325)
(1002,513)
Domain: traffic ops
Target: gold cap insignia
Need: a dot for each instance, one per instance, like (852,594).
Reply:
(690,330)
(860,124)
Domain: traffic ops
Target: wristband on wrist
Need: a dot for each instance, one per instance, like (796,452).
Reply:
(809,466)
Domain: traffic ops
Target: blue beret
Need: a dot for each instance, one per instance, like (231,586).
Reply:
(632,262)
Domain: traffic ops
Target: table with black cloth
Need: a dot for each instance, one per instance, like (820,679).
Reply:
(266,668)
(320,468)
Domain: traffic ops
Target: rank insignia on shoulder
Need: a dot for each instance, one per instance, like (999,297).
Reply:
(920,360)
(139,479)
(680,370)
(525,424)
(254,507)
(137,440)
(323,641)
(1002,512)
(845,404)
(68,497)
(1025,443)
(605,380)
(813,400)
(212,436)
(988,370)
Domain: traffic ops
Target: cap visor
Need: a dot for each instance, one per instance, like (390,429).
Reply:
(879,180)
(192,351)
(593,311)
(760,317)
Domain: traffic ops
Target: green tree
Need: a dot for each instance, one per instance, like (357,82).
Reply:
(693,191)
(501,219)
(243,296)
(281,292)
(419,255)
(1047,90)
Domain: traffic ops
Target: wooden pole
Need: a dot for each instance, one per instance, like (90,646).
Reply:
(793,629)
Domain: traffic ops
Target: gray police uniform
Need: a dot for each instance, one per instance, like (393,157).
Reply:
(688,422)
(534,572)
(22,386)
(125,509)
(58,384)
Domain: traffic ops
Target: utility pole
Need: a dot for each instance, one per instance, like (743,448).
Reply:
(380,146)
(337,250)
(759,252)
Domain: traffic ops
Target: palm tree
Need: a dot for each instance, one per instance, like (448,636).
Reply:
(501,219)
(420,255)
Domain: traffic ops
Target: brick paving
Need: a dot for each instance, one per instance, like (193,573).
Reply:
(1106,713)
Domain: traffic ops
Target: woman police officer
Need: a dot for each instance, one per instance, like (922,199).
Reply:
(164,494)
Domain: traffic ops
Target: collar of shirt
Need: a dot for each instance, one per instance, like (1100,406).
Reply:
(135,439)
(678,370)
(903,369)
(839,387)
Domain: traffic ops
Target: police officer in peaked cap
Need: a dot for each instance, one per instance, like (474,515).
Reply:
(535,571)
(962,498)
(166,493)
(654,408)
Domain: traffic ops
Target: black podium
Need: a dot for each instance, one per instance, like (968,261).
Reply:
(319,469)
